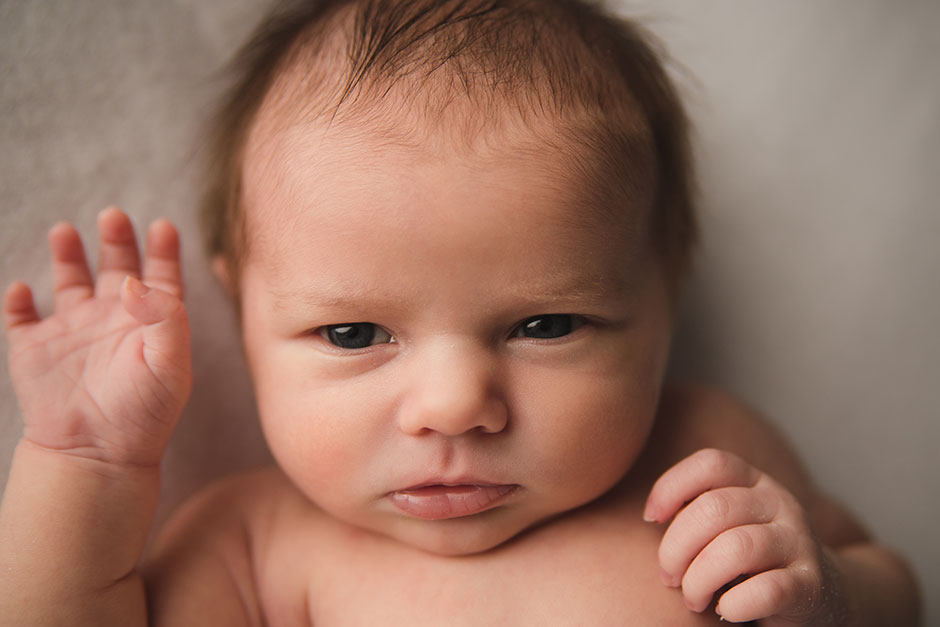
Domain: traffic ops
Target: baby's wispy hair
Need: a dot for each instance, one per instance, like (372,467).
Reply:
(463,65)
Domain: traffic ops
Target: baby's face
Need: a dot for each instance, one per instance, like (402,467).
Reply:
(445,349)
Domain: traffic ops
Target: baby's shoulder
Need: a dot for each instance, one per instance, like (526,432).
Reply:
(692,417)
(205,561)
(702,415)
(246,499)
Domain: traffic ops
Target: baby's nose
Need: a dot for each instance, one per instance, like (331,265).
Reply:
(453,390)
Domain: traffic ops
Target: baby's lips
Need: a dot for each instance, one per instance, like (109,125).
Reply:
(442,501)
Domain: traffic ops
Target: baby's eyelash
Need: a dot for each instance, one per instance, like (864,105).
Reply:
(358,336)
(549,326)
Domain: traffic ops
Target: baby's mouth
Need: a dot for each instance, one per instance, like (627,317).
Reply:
(437,501)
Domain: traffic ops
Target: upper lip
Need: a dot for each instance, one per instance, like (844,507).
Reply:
(452,483)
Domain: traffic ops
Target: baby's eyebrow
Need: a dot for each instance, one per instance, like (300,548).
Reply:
(563,288)
(580,288)
(325,295)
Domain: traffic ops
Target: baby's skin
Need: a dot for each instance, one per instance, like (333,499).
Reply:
(461,383)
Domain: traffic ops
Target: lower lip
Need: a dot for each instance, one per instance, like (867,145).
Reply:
(437,502)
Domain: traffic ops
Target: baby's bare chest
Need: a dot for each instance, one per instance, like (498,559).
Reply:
(591,570)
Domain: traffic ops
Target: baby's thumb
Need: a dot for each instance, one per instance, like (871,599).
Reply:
(166,329)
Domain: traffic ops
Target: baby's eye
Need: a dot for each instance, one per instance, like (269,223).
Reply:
(548,326)
(355,335)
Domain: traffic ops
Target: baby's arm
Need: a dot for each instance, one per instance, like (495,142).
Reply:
(101,383)
(200,570)
(805,559)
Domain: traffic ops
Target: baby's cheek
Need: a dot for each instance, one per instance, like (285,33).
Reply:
(589,437)
(307,442)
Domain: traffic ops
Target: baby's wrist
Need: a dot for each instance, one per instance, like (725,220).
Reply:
(118,454)
(84,460)
(833,606)
(871,586)
(60,509)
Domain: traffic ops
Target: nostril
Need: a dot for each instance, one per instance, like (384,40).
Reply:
(453,416)
(452,390)
(495,418)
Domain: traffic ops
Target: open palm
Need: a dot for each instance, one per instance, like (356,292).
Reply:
(107,374)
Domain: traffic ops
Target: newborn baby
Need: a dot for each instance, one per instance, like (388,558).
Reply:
(454,232)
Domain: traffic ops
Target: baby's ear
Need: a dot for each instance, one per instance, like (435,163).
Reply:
(220,269)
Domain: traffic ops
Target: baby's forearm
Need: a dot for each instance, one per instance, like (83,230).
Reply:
(71,533)
(879,588)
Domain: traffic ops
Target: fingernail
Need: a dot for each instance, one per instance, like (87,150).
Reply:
(135,287)
(648,517)
(666,578)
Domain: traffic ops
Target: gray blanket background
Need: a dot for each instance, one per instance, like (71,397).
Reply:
(817,292)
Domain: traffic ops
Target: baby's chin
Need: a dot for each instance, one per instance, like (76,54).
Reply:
(457,537)
(457,545)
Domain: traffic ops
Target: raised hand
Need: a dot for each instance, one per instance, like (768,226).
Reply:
(105,376)
(731,521)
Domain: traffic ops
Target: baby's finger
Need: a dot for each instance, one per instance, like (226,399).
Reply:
(71,278)
(162,258)
(165,334)
(739,551)
(18,307)
(704,470)
(778,592)
(117,252)
(703,520)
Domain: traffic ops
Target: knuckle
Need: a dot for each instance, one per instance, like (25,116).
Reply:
(713,461)
(713,507)
(739,543)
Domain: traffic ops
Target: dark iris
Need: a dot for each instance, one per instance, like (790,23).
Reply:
(356,335)
(546,327)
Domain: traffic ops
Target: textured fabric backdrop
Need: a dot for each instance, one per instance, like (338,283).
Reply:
(816,298)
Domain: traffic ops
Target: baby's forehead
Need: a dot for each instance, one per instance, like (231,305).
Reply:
(324,194)
(313,161)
